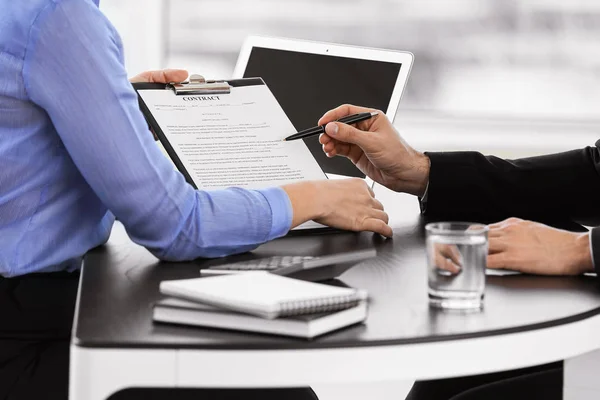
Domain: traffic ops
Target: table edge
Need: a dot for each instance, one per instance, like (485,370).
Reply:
(300,344)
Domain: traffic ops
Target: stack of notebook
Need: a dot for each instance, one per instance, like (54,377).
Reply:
(261,302)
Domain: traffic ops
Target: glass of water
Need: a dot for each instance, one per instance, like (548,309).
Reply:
(456,258)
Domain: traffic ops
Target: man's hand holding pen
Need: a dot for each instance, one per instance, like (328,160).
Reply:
(377,149)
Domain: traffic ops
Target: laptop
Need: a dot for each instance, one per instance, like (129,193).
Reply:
(310,78)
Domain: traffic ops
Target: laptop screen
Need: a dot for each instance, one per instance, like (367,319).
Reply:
(307,85)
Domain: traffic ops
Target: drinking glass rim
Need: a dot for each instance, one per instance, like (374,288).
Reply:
(445,228)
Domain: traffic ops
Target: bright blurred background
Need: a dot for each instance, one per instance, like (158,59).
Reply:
(510,77)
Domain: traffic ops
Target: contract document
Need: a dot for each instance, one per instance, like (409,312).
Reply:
(231,139)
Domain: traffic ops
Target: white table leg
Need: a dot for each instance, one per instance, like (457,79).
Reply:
(396,390)
(581,377)
(96,374)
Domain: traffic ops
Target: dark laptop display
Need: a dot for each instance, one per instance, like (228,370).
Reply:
(307,85)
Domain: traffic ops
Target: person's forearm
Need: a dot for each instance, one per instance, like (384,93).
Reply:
(417,180)
(561,186)
(302,197)
(224,222)
(96,114)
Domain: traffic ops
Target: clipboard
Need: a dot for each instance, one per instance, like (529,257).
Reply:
(196,85)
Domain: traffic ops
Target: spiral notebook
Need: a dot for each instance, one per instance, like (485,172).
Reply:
(183,312)
(263,294)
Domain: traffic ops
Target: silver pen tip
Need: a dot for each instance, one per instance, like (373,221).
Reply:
(374,113)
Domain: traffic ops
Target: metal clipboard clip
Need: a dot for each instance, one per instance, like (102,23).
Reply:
(198,85)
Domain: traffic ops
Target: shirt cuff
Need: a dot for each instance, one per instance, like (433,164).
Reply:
(423,200)
(595,238)
(281,211)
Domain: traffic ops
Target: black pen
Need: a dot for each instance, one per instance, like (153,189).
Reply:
(317,130)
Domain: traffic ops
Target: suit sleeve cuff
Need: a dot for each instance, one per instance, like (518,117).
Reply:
(281,211)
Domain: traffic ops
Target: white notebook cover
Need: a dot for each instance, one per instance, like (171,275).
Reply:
(262,294)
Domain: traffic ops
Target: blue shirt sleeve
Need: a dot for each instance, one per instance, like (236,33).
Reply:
(74,70)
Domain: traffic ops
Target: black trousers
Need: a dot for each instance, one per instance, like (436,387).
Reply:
(541,382)
(36,313)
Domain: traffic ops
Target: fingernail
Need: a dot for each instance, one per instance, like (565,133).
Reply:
(331,129)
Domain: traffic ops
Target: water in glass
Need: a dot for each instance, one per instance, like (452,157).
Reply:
(451,289)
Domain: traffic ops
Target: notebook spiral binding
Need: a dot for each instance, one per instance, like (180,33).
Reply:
(293,308)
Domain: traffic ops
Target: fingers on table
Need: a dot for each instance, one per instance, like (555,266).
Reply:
(378,226)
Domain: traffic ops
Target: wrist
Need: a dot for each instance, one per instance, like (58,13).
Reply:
(582,254)
(415,181)
(302,196)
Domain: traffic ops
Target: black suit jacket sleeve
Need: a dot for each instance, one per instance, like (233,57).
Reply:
(559,189)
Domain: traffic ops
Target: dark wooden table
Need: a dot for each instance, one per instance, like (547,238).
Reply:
(527,320)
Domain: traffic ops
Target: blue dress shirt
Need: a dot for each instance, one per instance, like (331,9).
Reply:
(75,151)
